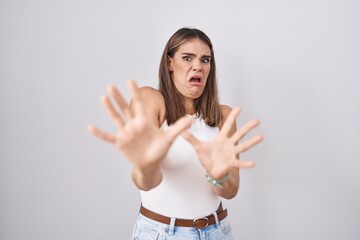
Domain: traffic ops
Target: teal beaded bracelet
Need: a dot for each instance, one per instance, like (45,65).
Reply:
(216,183)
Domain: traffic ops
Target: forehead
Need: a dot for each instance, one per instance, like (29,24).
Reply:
(195,46)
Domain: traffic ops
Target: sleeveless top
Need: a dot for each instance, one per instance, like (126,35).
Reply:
(184,191)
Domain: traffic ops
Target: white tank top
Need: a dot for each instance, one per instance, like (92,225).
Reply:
(184,191)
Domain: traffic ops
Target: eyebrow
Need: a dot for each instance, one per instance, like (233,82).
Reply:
(193,55)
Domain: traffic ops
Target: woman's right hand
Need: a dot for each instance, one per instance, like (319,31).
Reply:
(138,139)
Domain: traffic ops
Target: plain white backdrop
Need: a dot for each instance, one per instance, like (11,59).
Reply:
(293,64)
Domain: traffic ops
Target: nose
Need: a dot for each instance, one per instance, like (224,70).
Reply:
(197,67)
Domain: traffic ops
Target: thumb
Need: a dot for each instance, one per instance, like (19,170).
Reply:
(179,126)
(244,164)
(191,138)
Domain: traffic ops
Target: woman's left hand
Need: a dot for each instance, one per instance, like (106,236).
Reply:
(219,155)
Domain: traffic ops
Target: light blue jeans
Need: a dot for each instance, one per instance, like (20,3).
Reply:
(148,229)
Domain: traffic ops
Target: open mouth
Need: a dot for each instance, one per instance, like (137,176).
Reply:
(195,79)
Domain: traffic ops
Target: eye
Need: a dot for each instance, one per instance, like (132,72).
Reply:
(187,58)
(206,60)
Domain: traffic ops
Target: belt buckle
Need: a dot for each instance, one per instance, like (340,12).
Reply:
(200,219)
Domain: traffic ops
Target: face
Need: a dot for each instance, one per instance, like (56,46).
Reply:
(190,67)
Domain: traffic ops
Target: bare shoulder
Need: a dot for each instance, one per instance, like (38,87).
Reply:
(150,92)
(153,102)
(225,111)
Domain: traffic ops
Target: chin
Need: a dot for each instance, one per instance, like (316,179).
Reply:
(196,96)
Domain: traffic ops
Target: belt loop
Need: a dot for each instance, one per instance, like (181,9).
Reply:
(216,219)
(172,226)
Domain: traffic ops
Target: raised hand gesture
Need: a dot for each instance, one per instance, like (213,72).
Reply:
(138,138)
(220,155)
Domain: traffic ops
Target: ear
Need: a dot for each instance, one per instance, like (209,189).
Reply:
(170,63)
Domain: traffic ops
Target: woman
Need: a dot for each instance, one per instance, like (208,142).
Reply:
(183,145)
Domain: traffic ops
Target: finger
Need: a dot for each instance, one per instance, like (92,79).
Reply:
(244,164)
(229,122)
(244,130)
(191,139)
(248,143)
(119,99)
(178,127)
(101,134)
(117,119)
(136,98)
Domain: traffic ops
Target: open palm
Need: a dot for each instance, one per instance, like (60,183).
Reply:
(139,140)
(219,155)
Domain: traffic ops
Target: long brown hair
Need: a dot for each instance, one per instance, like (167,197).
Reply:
(207,105)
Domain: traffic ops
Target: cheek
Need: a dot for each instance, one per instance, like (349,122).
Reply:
(182,72)
(207,71)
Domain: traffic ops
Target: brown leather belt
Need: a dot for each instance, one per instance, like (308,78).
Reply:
(199,223)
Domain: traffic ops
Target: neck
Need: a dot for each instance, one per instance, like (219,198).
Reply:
(189,107)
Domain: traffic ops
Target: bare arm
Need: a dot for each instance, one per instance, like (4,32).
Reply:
(150,177)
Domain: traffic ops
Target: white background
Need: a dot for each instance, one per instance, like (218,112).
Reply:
(293,64)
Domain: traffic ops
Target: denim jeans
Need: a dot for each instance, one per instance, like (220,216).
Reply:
(148,229)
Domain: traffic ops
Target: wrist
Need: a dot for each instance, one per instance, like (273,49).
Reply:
(217,182)
(146,179)
(149,169)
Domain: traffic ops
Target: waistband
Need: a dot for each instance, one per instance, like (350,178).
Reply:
(199,223)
